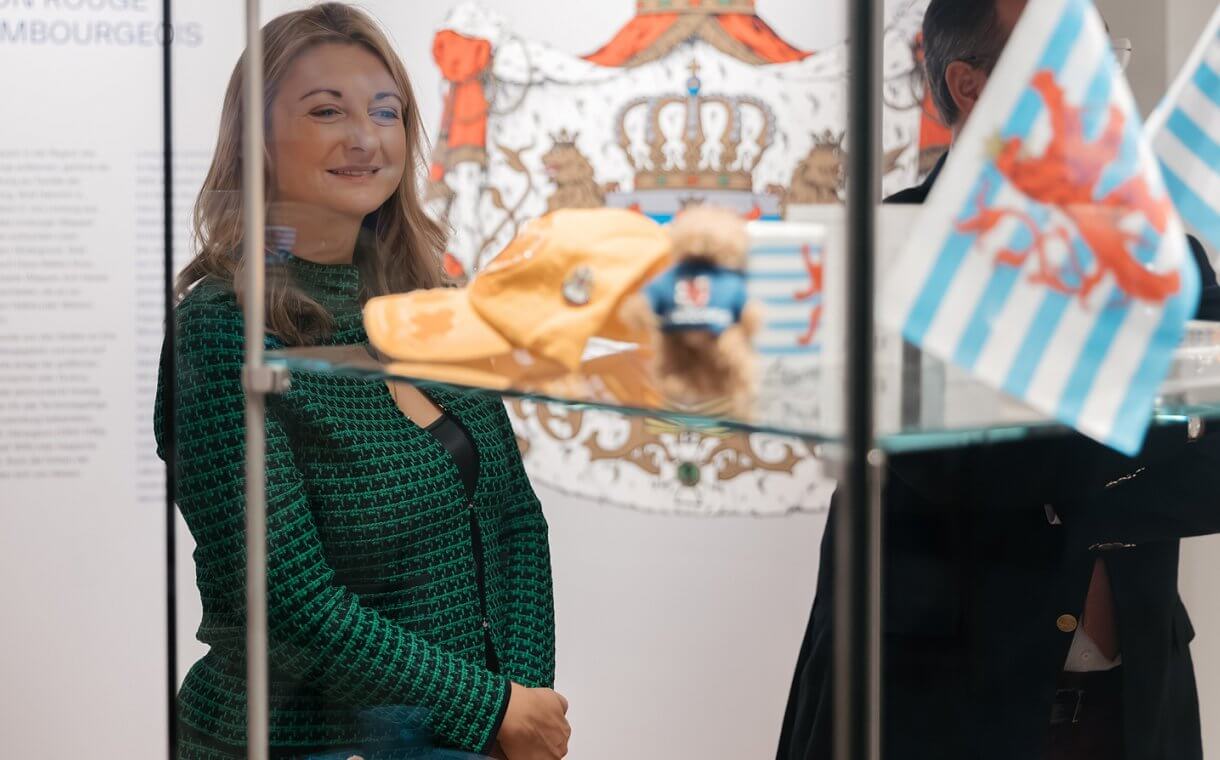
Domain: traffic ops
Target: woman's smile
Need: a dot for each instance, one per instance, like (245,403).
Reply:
(354,172)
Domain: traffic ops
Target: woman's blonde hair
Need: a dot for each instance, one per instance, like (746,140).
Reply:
(399,247)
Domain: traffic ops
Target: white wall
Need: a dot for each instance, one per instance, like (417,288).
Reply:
(677,636)
(82,637)
(1186,19)
(1144,24)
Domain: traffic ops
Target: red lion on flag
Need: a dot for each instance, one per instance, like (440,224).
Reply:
(1065,177)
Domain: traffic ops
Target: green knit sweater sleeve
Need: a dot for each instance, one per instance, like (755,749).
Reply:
(529,658)
(319,631)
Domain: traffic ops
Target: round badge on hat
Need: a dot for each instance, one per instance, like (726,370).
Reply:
(578,286)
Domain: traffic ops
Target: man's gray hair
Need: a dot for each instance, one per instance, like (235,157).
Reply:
(959,30)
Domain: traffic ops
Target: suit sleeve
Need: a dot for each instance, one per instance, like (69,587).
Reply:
(318,630)
(1209,290)
(528,656)
(1172,495)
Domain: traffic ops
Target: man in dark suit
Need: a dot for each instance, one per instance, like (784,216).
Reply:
(1030,604)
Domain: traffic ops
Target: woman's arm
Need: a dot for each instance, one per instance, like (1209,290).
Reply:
(529,657)
(319,632)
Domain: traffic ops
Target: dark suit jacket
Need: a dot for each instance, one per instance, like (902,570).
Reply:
(975,577)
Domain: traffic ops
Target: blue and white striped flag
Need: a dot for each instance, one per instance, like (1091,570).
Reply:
(1185,132)
(1048,260)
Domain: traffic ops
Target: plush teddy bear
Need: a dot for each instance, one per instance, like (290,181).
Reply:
(700,317)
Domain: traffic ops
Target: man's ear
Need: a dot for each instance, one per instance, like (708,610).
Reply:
(965,86)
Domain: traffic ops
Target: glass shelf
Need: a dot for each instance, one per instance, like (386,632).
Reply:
(922,403)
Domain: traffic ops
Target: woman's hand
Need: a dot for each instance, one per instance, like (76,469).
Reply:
(534,727)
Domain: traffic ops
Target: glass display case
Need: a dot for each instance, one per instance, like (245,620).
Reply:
(377,378)
(373,564)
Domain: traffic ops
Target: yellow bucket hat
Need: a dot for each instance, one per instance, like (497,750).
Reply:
(557,284)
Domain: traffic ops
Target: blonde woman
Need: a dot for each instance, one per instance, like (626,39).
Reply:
(409,586)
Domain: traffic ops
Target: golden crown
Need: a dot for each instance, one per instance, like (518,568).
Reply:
(683,157)
(564,138)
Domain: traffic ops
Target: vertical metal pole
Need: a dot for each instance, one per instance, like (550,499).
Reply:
(857,610)
(256,504)
(169,383)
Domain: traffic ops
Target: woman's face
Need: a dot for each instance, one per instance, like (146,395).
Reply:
(337,141)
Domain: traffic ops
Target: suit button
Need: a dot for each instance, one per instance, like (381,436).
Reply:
(1066,623)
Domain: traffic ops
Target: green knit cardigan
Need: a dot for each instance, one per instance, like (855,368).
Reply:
(376,598)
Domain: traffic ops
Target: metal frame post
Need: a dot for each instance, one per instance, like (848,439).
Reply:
(857,608)
(253,259)
(169,381)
